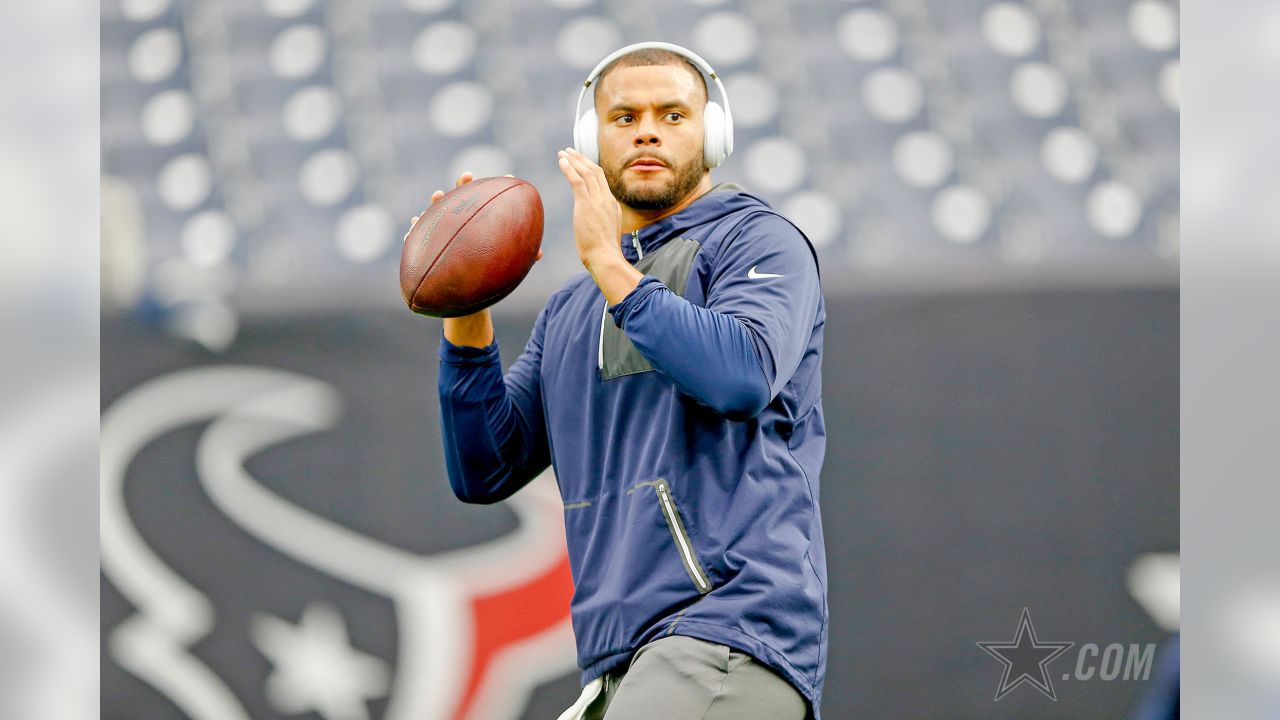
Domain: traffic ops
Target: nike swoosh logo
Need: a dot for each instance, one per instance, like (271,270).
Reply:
(757,275)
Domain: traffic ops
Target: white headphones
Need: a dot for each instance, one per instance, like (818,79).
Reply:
(717,122)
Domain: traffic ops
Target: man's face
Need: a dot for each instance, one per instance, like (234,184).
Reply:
(651,134)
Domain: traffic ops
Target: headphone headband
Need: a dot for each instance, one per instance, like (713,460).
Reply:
(689,55)
(685,53)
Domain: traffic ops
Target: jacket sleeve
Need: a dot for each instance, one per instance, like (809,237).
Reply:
(737,353)
(493,428)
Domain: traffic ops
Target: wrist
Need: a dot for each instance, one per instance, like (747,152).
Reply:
(603,260)
(613,275)
(475,330)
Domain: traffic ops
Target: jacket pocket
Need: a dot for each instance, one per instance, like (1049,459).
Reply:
(688,557)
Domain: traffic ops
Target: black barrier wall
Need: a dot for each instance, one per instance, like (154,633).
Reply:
(987,453)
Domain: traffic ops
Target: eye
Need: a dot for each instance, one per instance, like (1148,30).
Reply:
(674,116)
(623,119)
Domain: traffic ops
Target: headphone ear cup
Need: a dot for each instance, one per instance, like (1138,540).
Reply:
(585,136)
(714,149)
(728,133)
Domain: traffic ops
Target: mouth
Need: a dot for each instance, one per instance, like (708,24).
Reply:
(647,163)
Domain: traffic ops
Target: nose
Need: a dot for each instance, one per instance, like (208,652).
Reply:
(646,133)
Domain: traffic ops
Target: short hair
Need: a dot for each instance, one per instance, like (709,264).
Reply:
(646,57)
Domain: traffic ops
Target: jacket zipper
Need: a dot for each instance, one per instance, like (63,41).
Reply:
(683,543)
(604,315)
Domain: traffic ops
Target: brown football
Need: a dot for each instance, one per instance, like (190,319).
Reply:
(472,248)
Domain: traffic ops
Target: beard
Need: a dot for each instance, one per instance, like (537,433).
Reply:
(687,175)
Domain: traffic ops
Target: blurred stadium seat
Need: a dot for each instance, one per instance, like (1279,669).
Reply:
(277,149)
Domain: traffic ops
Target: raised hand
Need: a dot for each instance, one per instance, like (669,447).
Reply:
(597,217)
(597,226)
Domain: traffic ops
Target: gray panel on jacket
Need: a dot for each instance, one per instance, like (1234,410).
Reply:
(670,264)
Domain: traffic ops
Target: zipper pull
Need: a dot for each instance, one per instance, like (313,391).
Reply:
(635,240)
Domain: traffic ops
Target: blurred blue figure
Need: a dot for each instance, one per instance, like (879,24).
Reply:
(1162,700)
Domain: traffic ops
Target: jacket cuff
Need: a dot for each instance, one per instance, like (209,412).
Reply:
(466,355)
(621,311)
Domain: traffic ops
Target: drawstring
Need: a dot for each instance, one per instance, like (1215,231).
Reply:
(589,694)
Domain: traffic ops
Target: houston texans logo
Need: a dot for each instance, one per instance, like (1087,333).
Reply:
(479,627)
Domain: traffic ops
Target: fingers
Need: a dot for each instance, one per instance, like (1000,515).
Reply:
(591,170)
(412,222)
(575,172)
(592,175)
(568,170)
(539,255)
(463,179)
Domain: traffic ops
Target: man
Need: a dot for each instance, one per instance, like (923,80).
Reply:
(676,389)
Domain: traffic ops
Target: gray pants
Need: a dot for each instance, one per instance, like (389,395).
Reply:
(682,678)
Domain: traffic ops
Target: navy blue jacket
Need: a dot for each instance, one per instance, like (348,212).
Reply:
(686,432)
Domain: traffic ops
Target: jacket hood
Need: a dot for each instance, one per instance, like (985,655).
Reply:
(724,199)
